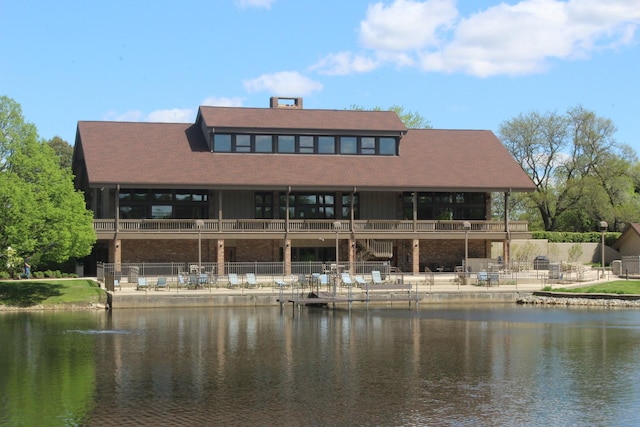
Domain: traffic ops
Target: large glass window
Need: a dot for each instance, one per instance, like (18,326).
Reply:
(445,206)
(163,204)
(316,206)
(263,205)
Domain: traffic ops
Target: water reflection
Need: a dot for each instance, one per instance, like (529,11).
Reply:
(382,366)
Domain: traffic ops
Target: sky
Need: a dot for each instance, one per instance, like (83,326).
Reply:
(467,64)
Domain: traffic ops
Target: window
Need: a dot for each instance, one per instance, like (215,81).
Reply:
(163,204)
(348,145)
(306,145)
(368,145)
(221,143)
(387,147)
(263,205)
(326,145)
(445,206)
(264,144)
(243,143)
(286,144)
(317,206)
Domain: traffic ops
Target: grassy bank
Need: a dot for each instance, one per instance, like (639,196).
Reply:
(615,287)
(50,293)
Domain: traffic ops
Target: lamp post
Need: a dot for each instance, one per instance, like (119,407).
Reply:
(467,226)
(603,226)
(199,225)
(336,227)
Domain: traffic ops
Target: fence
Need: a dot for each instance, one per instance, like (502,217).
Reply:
(131,271)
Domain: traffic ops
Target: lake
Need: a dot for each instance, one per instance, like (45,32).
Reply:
(438,365)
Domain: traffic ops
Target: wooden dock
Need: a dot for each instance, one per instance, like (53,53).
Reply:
(326,298)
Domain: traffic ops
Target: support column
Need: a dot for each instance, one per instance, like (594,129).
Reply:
(115,254)
(415,256)
(352,255)
(220,257)
(287,257)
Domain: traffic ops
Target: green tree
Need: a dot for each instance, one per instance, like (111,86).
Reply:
(63,150)
(574,161)
(41,214)
(410,119)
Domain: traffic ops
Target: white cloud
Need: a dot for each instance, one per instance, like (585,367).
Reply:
(222,101)
(345,63)
(173,115)
(129,116)
(265,4)
(406,24)
(505,39)
(284,83)
(523,38)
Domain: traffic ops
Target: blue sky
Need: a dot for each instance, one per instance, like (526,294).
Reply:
(469,64)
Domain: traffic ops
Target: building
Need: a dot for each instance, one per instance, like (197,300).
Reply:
(286,184)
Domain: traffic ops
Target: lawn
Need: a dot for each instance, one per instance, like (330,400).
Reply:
(615,287)
(48,293)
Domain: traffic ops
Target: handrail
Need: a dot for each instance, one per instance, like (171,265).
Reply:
(299,225)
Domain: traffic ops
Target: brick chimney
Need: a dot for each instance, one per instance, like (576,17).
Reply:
(285,102)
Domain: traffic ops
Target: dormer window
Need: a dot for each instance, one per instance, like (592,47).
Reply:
(305,144)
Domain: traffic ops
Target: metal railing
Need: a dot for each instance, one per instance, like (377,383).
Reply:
(296,225)
(131,271)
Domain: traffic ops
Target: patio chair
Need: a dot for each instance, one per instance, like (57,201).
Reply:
(233,280)
(280,283)
(324,280)
(361,282)
(303,281)
(162,283)
(142,284)
(483,278)
(182,281)
(345,279)
(116,284)
(251,280)
(193,281)
(203,279)
(376,277)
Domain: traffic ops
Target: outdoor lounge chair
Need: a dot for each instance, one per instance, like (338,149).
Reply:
(360,281)
(182,281)
(251,280)
(193,281)
(233,280)
(482,277)
(376,278)
(162,283)
(345,278)
(142,284)
(324,280)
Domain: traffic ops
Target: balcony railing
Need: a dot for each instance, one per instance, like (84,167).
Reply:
(299,226)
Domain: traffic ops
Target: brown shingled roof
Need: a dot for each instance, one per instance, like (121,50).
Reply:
(176,156)
(301,119)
